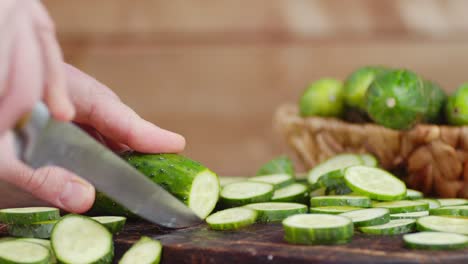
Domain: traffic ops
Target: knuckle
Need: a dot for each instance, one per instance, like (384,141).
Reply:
(39,179)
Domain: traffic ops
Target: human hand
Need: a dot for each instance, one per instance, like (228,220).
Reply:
(100,112)
(31,64)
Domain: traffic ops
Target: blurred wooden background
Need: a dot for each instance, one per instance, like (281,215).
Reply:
(215,70)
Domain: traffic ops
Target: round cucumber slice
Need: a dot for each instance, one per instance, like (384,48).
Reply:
(43,242)
(337,162)
(277,180)
(368,217)
(332,209)
(413,194)
(452,201)
(225,180)
(232,218)
(412,215)
(318,192)
(296,192)
(375,183)
(403,206)
(274,211)
(458,210)
(433,203)
(28,215)
(80,239)
(317,229)
(340,200)
(394,227)
(369,160)
(34,230)
(242,193)
(114,224)
(145,250)
(443,224)
(23,252)
(435,240)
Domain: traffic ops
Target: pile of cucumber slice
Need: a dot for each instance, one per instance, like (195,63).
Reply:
(344,195)
(41,235)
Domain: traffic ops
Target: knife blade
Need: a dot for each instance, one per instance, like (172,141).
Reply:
(43,141)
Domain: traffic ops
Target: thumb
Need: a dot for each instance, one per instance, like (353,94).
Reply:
(53,185)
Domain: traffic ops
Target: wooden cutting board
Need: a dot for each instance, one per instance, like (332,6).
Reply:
(263,243)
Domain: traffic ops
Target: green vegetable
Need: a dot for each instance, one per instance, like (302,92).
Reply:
(457,210)
(337,162)
(437,101)
(397,99)
(317,229)
(17,251)
(145,250)
(232,218)
(225,180)
(323,98)
(368,217)
(413,194)
(340,200)
(443,224)
(105,205)
(279,165)
(80,239)
(403,206)
(114,224)
(452,201)
(242,193)
(356,85)
(188,180)
(394,227)
(43,242)
(456,109)
(433,203)
(369,160)
(332,209)
(275,211)
(435,240)
(277,180)
(375,183)
(28,215)
(35,230)
(411,215)
(296,193)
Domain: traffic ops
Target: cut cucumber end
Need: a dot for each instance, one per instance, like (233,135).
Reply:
(145,250)
(232,218)
(204,193)
(80,239)
(23,252)
(435,240)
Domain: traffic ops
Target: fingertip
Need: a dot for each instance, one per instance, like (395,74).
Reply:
(77,196)
(62,111)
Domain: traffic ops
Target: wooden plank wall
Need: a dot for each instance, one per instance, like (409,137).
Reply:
(215,70)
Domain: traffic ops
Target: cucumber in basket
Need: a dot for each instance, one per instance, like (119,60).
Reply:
(458,210)
(242,193)
(443,224)
(317,229)
(435,240)
(394,227)
(232,218)
(368,217)
(145,250)
(341,200)
(295,193)
(403,206)
(34,230)
(279,165)
(277,180)
(81,239)
(337,162)
(28,215)
(375,183)
(188,180)
(23,252)
(274,211)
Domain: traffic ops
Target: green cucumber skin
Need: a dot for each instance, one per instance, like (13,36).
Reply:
(397,210)
(114,227)
(302,197)
(447,211)
(103,205)
(234,226)
(377,221)
(437,101)
(36,230)
(103,260)
(281,164)
(268,216)
(173,172)
(391,231)
(435,247)
(20,219)
(323,236)
(320,210)
(227,203)
(336,201)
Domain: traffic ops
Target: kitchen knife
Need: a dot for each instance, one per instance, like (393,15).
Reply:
(43,141)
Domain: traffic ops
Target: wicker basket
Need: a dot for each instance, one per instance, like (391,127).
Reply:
(434,158)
